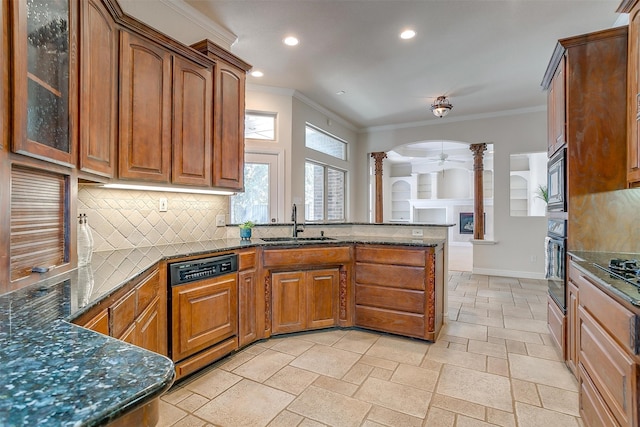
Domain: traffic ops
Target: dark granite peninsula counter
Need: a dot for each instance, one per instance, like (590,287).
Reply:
(58,373)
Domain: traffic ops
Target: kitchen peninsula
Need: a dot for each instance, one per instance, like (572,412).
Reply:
(54,361)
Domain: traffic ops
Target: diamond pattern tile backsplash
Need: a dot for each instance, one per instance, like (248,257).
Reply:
(124,219)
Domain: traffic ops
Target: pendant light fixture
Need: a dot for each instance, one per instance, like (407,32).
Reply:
(441,106)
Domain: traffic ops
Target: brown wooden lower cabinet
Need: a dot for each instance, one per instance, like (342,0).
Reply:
(603,344)
(304,300)
(400,290)
(204,313)
(137,317)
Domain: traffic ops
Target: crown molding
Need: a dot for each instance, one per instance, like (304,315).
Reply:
(330,114)
(217,31)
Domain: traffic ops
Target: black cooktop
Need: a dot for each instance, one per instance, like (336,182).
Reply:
(624,269)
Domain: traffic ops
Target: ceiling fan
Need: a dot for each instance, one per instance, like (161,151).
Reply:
(443,157)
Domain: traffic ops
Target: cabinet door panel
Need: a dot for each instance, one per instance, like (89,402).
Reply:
(145,110)
(229,125)
(288,302)
(99,95)
(633,105)
(148,333)
(192,117)
(322,301)
(122,314)
(593,410)
(610,369)
(573,331)
(247,297)
(557,324)
(99,323)
(45,80)
(205,313)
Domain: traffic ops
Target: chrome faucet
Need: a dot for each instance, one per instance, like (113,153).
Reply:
(294,219)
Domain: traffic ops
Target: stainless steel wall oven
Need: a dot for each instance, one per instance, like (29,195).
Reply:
(555,261)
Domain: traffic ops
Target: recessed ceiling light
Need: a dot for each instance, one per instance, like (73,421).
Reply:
(257,73)
(407,34)
(291,41)
(340,92)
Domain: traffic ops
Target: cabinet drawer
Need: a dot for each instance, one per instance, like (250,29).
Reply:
(246,260)
(611,370)
(393,299)
(387,255)
(390,321)
(619,322)
(307,256)
(391,276)
(593,410)
(122,314)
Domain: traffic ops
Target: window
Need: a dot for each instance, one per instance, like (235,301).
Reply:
(260,201)
(325,143)
(260,126)
(324,193)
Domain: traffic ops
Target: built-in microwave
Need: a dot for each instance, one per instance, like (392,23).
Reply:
(557,182)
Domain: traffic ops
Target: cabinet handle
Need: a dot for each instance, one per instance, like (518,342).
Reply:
(634,328)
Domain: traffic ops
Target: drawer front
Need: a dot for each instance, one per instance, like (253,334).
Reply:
(390,255)
(619,322)
(306,256)
(391,276)
(390,321)
(610,369)
(593,410)
(246,260)
(393,299)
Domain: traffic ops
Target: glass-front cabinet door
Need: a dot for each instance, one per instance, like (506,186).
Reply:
(45,79)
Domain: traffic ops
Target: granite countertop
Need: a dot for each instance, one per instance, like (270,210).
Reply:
(57,373)
(624,290)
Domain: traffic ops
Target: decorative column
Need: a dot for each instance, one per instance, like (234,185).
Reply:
(478,190)
(378,157)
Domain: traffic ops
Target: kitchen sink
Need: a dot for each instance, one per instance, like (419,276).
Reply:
(296,239)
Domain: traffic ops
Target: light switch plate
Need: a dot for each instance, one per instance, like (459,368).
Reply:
(163,205)
(220,220)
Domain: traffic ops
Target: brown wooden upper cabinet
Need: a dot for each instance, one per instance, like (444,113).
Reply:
(230,75)
(586,77)
(192,118)
(556,110)
(145,110)
(45,80)
(98,89)
(632,7)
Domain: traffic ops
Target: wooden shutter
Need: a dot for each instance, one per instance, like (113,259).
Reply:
(38,227)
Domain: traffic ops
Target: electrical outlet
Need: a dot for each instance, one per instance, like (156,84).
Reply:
(220,220)
(417,233)
(163,205)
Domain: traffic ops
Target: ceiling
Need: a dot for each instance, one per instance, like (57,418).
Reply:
(487,56)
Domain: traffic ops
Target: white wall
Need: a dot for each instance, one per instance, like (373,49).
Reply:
(519,241)
(293,112)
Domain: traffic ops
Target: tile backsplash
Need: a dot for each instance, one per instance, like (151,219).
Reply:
(124,219)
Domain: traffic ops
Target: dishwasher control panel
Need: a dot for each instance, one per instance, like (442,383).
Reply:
(200,269)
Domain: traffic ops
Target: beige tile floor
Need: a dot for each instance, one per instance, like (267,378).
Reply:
(494,364)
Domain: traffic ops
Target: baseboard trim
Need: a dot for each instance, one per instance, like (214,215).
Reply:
(509,273)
